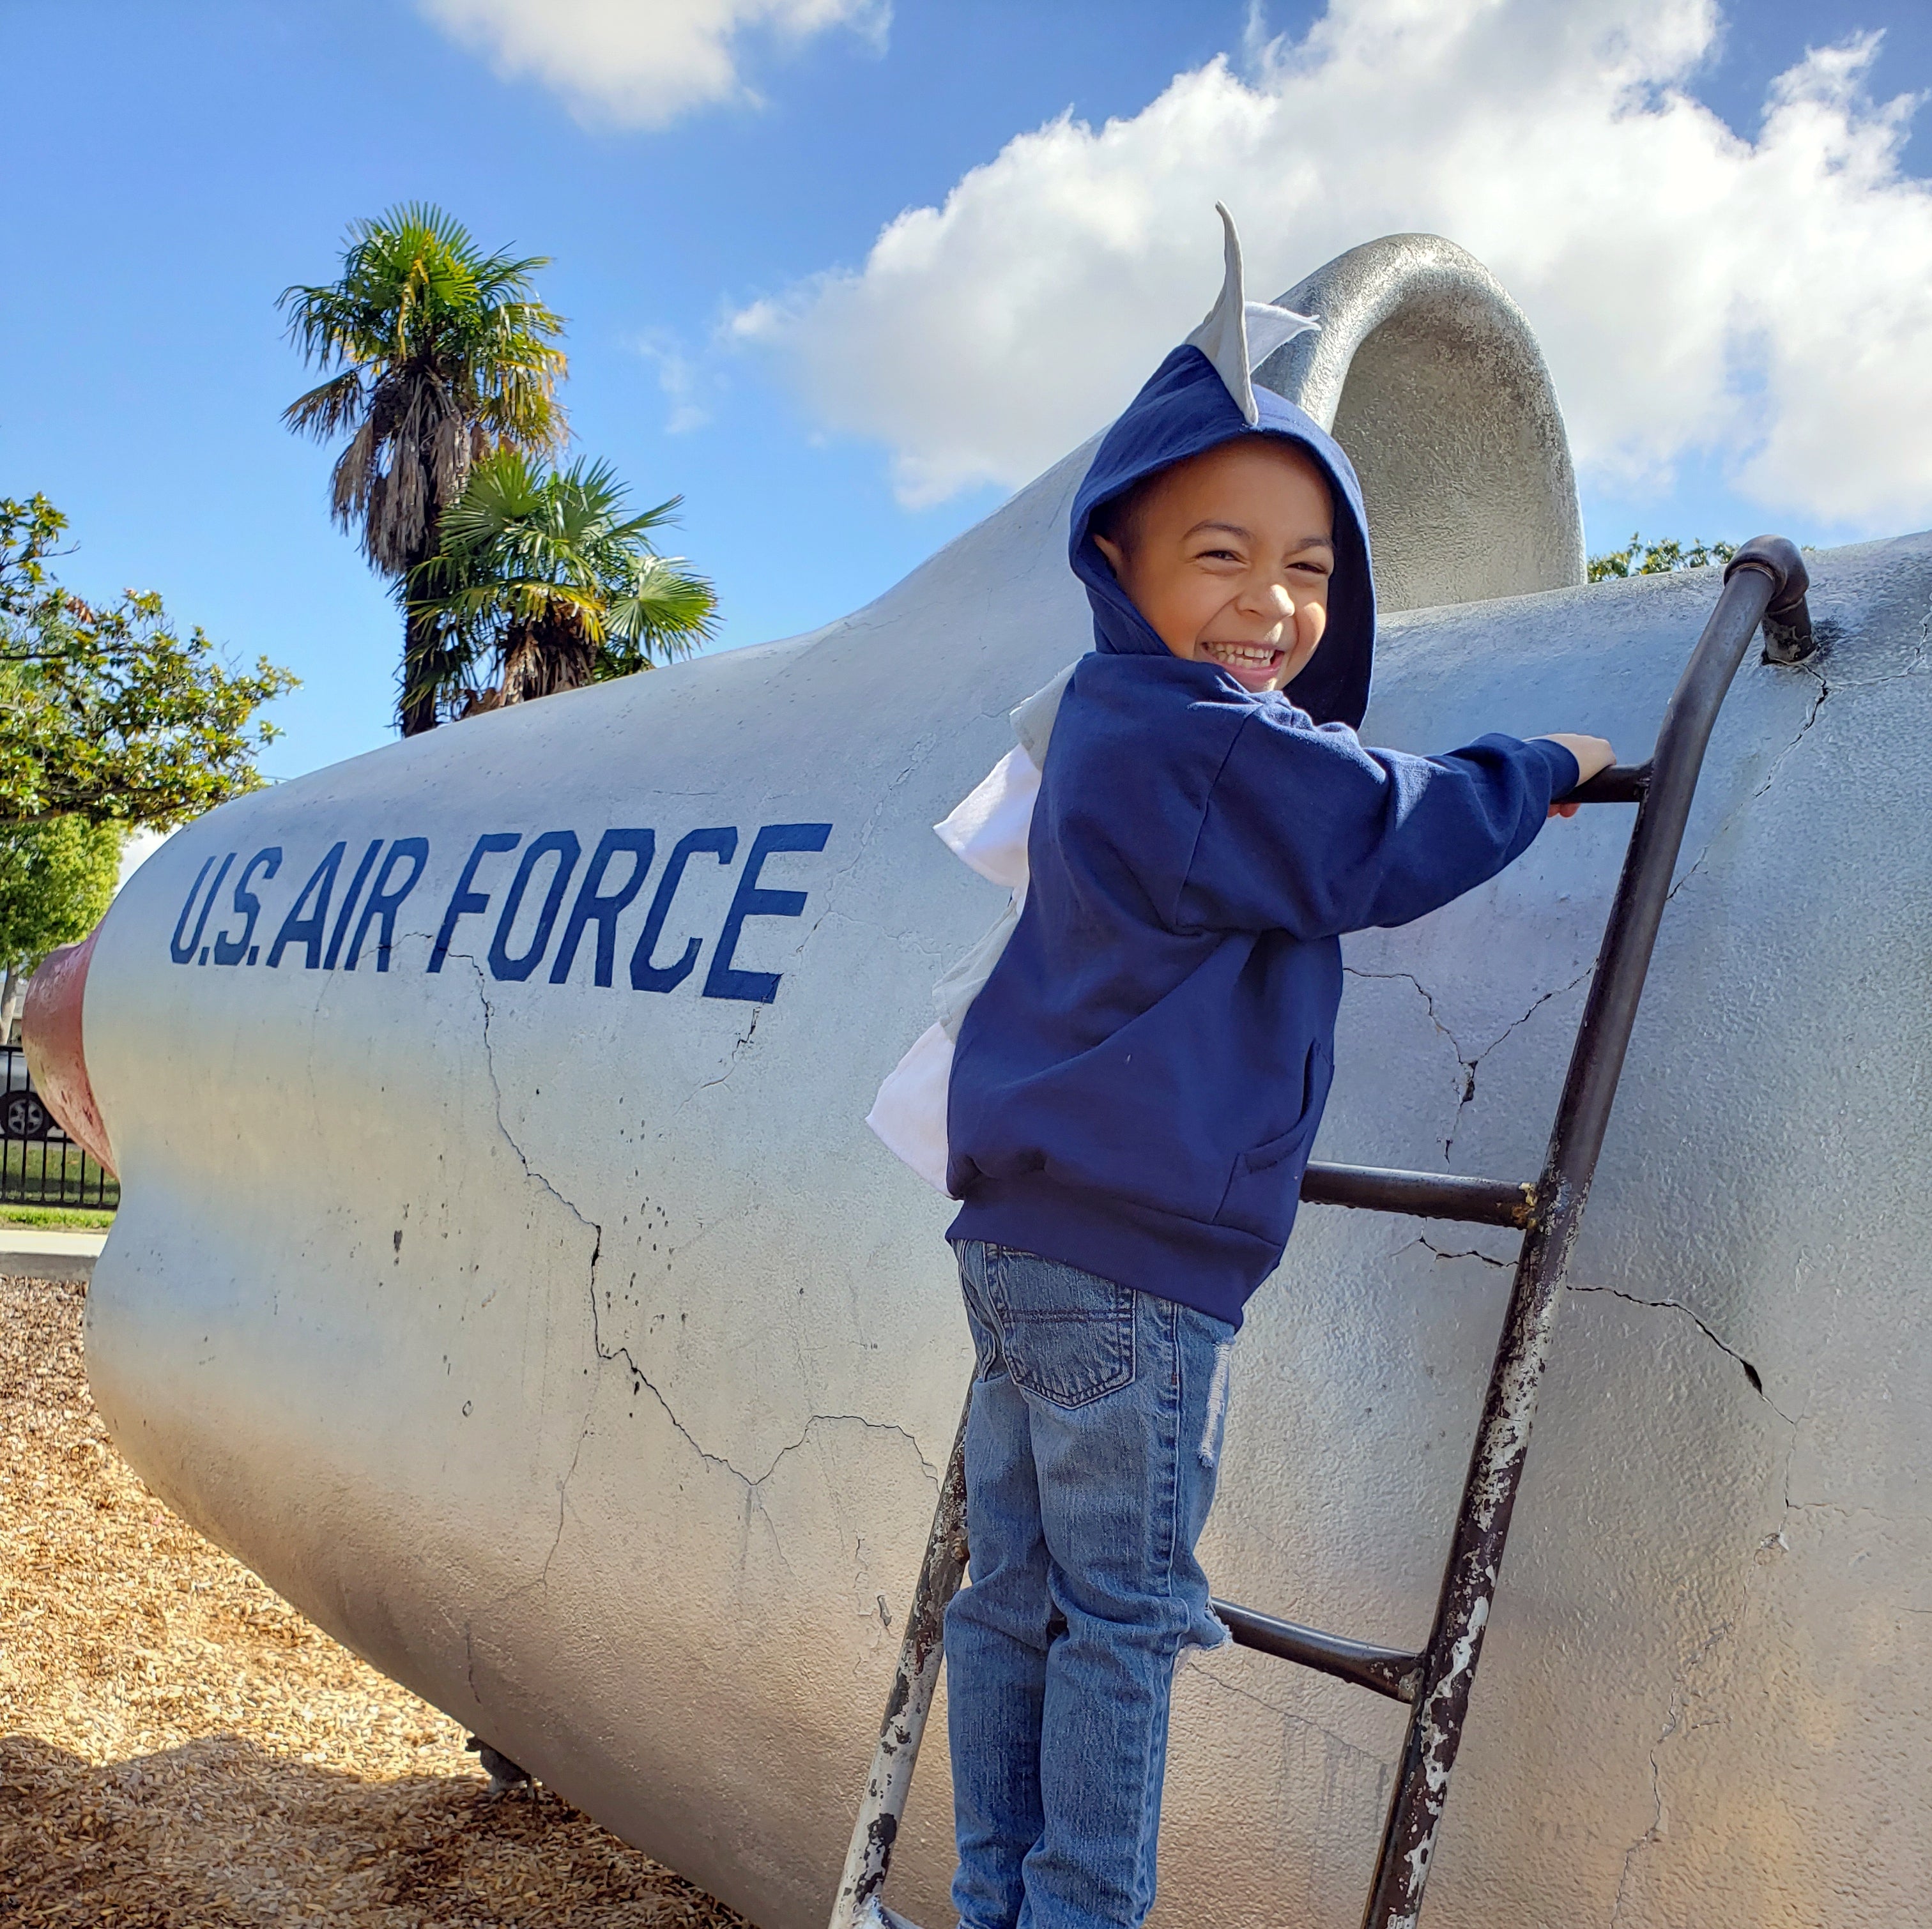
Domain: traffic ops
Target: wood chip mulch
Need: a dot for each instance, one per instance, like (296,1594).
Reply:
(179,1749)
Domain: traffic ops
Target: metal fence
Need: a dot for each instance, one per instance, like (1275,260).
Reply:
(40,1165)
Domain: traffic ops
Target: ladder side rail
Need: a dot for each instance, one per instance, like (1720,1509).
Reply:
(1766,574)
(876,1829)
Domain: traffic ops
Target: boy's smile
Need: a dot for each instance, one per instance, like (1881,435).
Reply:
(1228,555)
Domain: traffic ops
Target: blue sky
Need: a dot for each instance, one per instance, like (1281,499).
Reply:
(174,167)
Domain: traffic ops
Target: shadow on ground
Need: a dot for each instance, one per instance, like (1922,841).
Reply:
(221,1834)
(181,1749)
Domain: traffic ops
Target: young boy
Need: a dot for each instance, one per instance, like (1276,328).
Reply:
(1135,1089)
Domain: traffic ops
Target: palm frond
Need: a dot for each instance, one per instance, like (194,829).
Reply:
(326,410)
(542,571)
(438,353)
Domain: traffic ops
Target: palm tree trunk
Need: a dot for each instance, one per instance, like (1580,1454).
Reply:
(419,649)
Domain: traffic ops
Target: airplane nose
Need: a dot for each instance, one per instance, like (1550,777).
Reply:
(50,1028)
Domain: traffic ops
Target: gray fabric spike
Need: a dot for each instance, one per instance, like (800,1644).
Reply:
(1238,335)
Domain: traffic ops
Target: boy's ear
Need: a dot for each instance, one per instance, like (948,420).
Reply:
(1116,556)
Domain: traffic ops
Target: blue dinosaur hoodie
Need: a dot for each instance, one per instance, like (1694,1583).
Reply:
(1136,1089)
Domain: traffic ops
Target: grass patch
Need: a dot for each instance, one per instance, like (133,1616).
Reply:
(76,1217)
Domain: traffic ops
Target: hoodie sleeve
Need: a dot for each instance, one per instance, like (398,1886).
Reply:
(1308,830)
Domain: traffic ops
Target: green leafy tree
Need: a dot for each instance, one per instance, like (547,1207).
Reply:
(55,881)
(543,583)
(110,715)
(1639,558)
(443,354)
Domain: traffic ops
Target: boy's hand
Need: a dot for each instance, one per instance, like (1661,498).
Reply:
(1592,754)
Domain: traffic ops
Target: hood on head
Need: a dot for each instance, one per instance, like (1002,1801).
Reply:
(1200,396)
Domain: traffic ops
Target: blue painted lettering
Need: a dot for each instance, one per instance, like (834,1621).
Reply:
(759,987)
(183,953)
(348,910)
(229,951)
(207,905)
(334,931)
(722,842)
(465,902)
(385,897)
(563,845)
(604,912)
(309,929)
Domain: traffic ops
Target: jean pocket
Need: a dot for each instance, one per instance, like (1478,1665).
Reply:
(1068,1335)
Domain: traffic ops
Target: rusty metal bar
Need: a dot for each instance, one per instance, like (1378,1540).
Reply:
(1767,573)
(1621,783)
(1426,1195)
(1386,1670)
(870,1855)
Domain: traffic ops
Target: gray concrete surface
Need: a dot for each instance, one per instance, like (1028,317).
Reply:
(1429,375)
(34,1252)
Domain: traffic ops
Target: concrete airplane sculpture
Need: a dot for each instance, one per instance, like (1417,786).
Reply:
(504,1272)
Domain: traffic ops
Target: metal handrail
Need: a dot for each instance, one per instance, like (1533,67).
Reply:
(1766,576)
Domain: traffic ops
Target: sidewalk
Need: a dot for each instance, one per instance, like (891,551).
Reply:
(42,1252)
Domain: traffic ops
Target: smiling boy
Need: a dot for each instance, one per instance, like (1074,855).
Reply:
(1135,1089)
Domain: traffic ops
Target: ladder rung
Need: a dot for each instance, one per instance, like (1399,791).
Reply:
(1428,1195)
(1386,1670)
(1621,783)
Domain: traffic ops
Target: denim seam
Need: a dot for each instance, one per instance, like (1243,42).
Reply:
(1173,1407)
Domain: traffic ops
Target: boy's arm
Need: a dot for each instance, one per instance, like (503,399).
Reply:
(1308,830)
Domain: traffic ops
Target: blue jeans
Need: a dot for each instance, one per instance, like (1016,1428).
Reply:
(1091,1441)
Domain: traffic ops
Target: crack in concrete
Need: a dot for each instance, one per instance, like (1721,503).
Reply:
(741,1044)
(1501,1266)
(929,955)
(1919,663)
(1771,776)
(1469,1063)
(1680,1698)
(753,1482)
(571,1206)
(1750,1372)
(609,1354)
(1680,1690)
(1850,1509)
(916,756)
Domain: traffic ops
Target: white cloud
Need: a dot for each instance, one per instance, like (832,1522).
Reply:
(641,62)
(1765,302)
(679,379)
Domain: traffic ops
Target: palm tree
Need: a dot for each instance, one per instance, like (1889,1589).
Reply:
(444,354)
(542,577)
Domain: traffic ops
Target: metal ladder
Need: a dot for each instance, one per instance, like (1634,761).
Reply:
(1765,582)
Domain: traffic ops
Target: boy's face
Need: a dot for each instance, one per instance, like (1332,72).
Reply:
(1228,555)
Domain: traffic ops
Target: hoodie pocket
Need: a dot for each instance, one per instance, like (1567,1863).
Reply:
(1265,1185)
